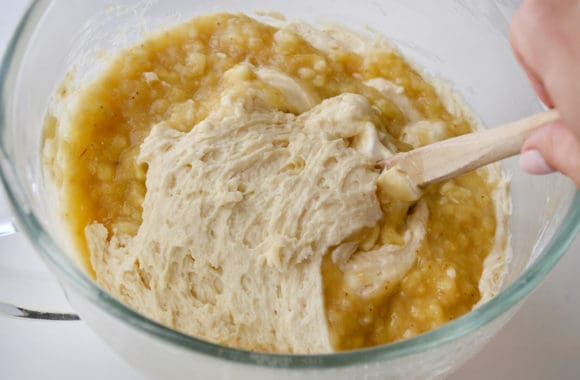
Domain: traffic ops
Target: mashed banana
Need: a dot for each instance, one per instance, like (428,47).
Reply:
(220,178)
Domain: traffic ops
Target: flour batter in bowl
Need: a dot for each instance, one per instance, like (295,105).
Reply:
(220,179)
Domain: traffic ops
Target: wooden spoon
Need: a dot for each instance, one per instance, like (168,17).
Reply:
(450,158)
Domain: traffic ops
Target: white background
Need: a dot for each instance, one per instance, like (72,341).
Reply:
(541,342)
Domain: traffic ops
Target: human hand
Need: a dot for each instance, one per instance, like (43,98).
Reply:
(545,36)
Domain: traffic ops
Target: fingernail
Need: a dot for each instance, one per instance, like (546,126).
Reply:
(532,162)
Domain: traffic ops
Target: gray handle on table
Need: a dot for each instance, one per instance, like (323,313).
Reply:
(9,309)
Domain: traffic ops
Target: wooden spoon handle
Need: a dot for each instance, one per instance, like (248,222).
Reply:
(459,155)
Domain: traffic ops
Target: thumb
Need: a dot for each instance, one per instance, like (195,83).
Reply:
(553,147)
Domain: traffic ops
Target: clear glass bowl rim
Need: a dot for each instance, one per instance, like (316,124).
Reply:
(75,277)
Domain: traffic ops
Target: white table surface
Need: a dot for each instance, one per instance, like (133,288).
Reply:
(541,342)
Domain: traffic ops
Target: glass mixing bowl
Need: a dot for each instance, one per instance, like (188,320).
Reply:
(464,42)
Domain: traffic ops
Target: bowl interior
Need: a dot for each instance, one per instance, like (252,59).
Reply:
(464,43)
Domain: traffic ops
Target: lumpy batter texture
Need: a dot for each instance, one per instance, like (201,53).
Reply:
(220,178)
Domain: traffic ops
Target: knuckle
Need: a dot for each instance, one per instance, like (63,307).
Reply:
(538,11)
(536,28)
(533,17)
